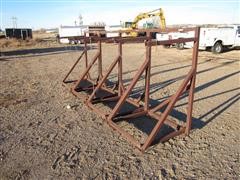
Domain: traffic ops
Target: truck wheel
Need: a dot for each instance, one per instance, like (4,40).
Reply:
(72,42)
(180,46)
(217,48)
(167,46)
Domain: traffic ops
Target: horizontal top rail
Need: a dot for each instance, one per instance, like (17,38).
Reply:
(153,30)
(109,39)
(141,38)
(172,41)
(167,30)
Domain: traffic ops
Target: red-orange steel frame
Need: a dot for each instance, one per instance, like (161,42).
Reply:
(120,94)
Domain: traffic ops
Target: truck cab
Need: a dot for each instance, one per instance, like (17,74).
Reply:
(237,40)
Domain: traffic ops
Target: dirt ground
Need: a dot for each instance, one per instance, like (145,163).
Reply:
(40,138)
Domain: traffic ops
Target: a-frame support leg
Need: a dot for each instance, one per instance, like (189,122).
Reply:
(170,106)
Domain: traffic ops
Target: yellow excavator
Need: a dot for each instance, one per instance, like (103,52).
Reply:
(134,25)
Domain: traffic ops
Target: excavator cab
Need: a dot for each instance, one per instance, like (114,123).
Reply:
(127,24)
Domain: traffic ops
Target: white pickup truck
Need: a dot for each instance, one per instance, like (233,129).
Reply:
(215,39)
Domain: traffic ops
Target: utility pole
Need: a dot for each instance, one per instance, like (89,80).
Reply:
(14,21)
(80,20)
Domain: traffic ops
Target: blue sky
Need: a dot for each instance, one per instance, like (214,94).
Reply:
(52,13)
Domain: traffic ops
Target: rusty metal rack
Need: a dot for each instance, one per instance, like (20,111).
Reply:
(98,91)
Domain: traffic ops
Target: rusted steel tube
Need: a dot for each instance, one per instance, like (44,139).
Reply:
(64,80)
(193,80)
(109,39)
(103,79)
(86,71)
(172,41)
(147,79)
(166,112)
(127,92)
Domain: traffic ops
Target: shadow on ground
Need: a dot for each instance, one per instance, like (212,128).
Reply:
(146,124)
(7,55)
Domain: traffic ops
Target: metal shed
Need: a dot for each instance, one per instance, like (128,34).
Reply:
(19,33)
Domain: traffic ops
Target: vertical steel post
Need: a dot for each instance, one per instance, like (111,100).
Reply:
(147,75)
(85,50)
(120,82)
(193,80)
(100,57)
(86,53)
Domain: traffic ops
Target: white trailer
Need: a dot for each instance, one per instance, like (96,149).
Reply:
(215,39)
(168,36)
(71,31)
(108,29)
(171,35)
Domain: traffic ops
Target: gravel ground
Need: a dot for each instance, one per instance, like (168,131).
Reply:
(40,138)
